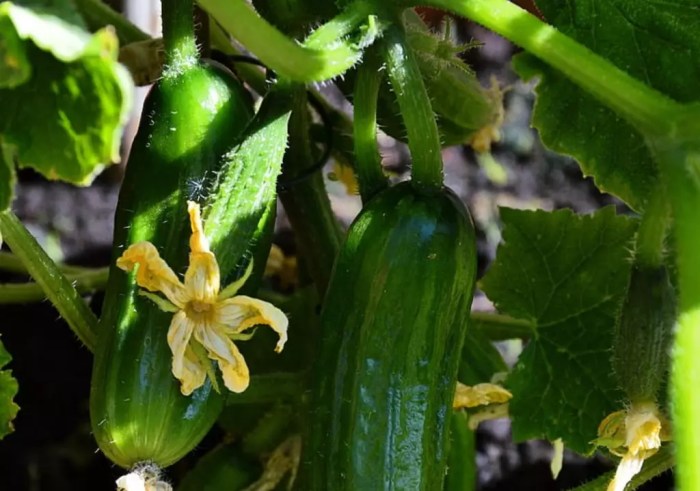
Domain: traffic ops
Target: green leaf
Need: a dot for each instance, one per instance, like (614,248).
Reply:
(654,41)
(8,390)
(7,176)
(566,274)
(65,97)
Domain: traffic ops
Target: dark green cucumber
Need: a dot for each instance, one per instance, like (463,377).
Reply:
(189,122)
(393,328)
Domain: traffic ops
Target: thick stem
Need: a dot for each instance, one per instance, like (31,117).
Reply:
(679,163)
(277,51)
(418,115)
(340,26)
(56,286)
(306,202)
(368,161)
(179,37)
(12,264)
(648,110)
(11,293)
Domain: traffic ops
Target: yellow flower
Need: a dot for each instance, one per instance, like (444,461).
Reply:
(479,395)
(635,434)
(205,319)
(492,397)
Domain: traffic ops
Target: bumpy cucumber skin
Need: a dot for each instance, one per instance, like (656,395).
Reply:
(393,328)
(643,334)
(137,410)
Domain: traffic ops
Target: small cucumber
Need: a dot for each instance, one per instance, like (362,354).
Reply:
(643,333)
(393,328)
(138,413)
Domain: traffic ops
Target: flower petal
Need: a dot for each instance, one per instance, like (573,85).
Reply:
(239,313)
(629,466)
(198,241)
(479,395)
(202,278)
(232,364)
(153,272)
(186,368)
(236,375)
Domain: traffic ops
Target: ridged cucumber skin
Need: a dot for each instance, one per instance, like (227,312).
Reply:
(393,325)
(137,411)
(643,334)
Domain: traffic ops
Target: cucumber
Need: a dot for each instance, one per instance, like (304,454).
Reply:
(393,328)
(137,409)
(643,333)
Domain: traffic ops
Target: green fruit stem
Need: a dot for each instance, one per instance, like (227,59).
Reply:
(369,162)
(181,51)
(418,115)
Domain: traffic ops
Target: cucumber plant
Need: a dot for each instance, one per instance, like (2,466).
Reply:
(376,322)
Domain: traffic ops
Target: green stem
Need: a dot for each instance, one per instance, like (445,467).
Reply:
(369,162)
(11,293)
(306,201)
(499,327)
(680,169)
(56,286)
(277,51)
(340,26)
(648,110)
(655,465)
(179,39)
(98,15)
(652,230)
(12,264)
(418,115)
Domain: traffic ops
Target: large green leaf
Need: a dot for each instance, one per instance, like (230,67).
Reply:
(566,274)
(654,41)
(65,97)
(8,390)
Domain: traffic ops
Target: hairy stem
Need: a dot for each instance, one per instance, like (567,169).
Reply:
(369,162)
(417,113)
(277,51)
(178,36)
(56,286)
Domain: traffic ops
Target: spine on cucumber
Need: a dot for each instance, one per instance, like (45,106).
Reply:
(393,326)
(189,121)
